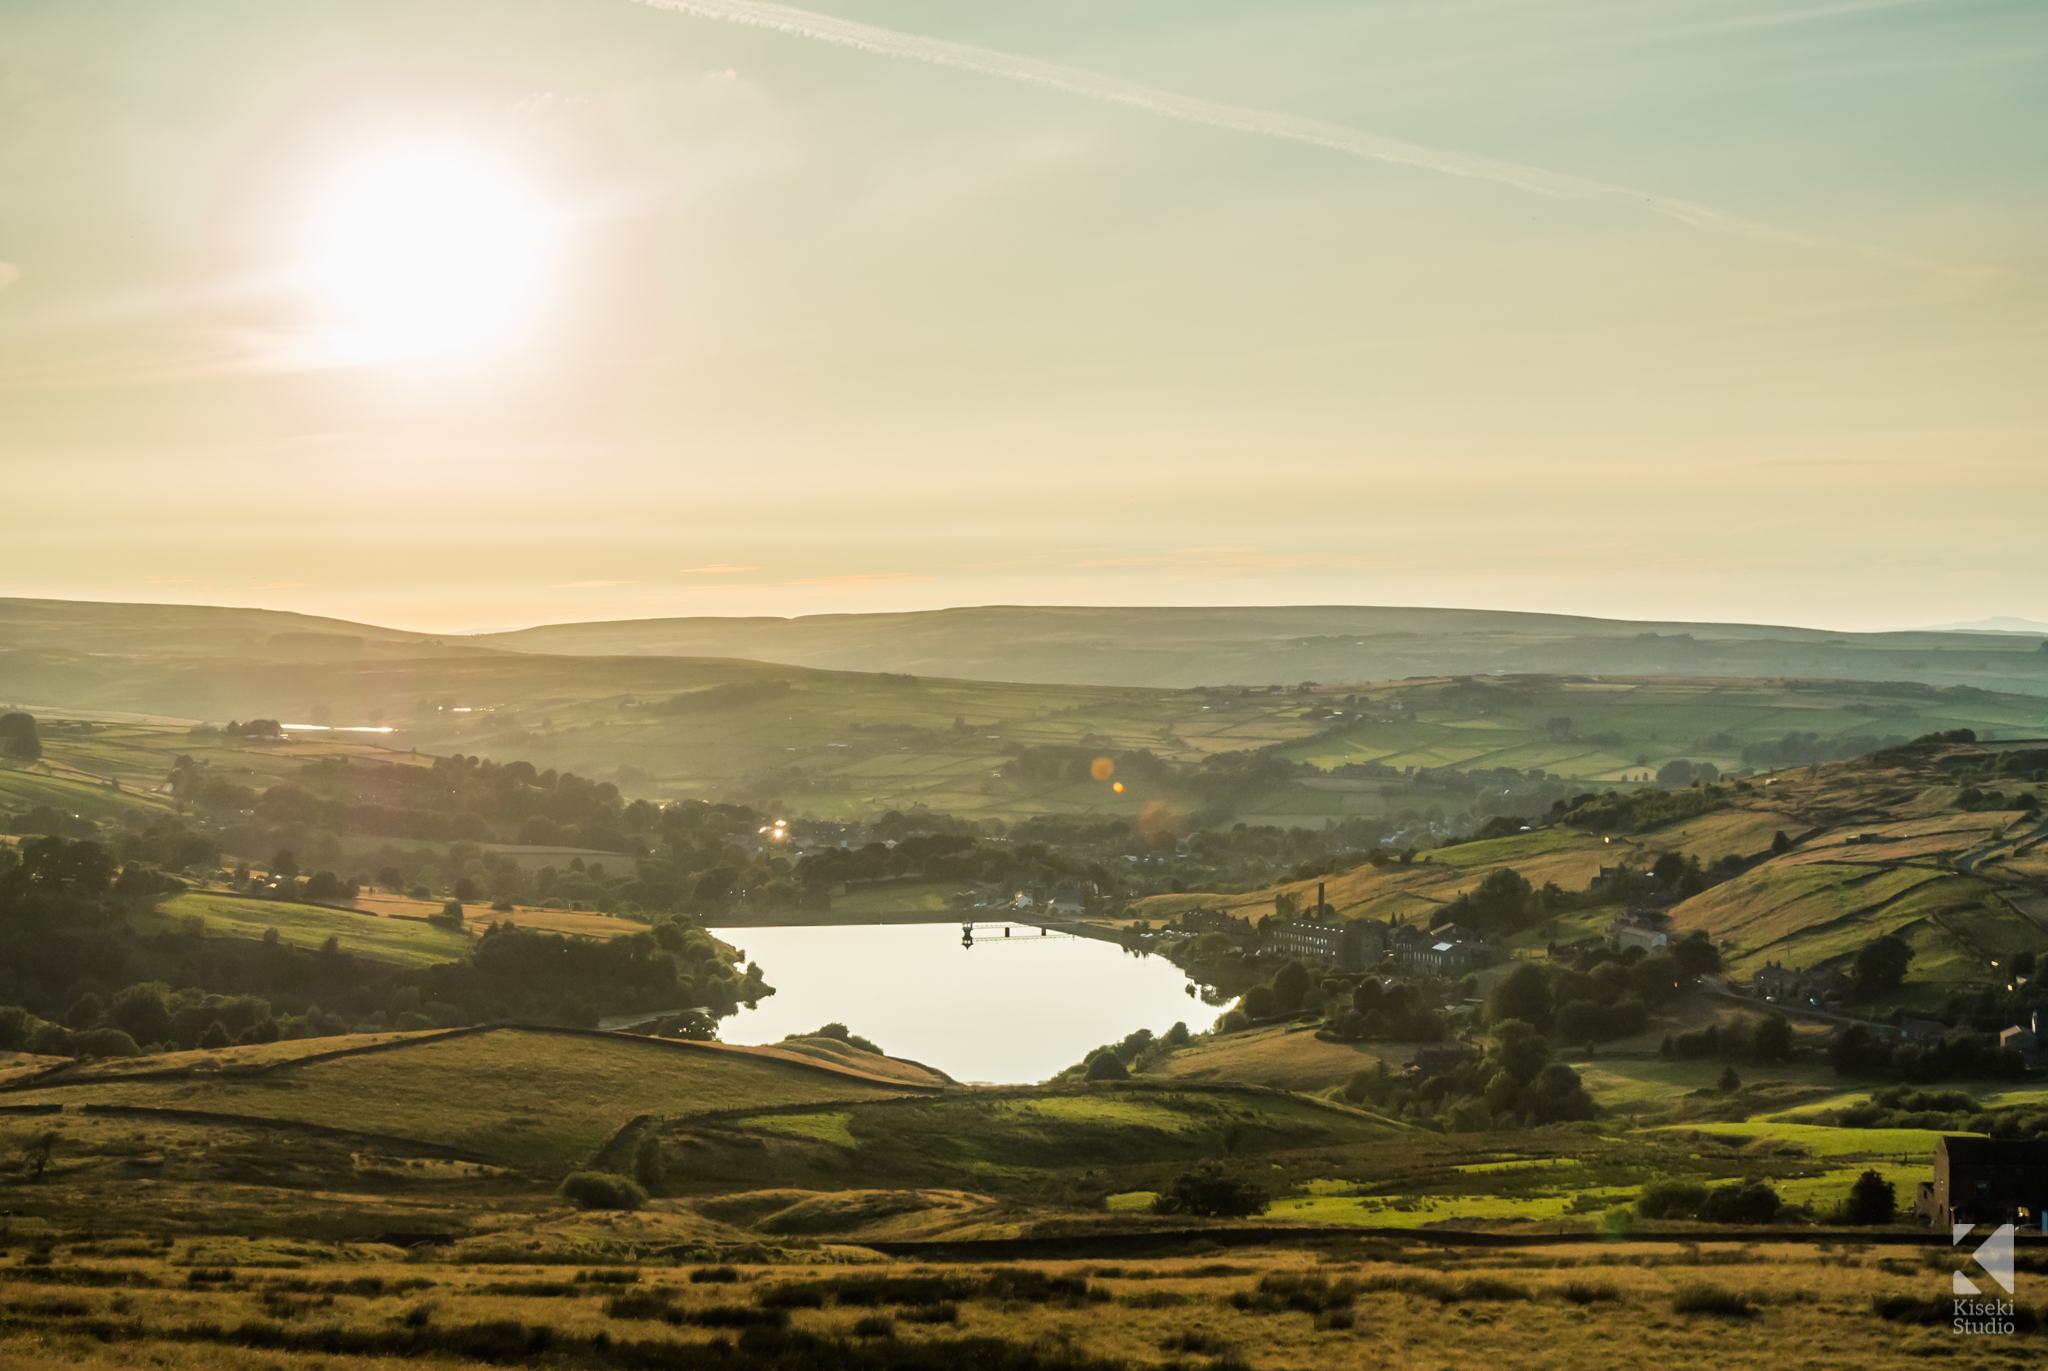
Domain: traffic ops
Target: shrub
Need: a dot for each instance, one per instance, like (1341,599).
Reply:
(104,1042)
(1872,1200)
(1107,1068)
(1712,1299)
(714,1275)
(1671,1199)
(1585,1292)
(602,1190)
(1746,1202)
(1211,1192)
(874,1326)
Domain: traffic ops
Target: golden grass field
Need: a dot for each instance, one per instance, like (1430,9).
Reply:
(1571,1307)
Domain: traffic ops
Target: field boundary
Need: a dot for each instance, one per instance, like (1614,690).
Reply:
(1150,1243)
(46,1080)
(150,1111)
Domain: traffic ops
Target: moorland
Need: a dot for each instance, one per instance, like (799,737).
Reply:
(300,1060)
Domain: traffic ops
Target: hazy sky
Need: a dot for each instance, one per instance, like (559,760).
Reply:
(464,315)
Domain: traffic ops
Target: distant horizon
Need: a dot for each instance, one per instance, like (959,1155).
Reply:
(1990,625)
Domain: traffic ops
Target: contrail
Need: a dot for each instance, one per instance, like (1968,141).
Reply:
(844,33)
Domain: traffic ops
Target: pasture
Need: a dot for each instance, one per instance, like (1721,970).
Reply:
(532,1099)
(377,937)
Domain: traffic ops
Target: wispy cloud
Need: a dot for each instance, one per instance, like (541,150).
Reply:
(591,585)
(857,580)
(938,52)
(716,569)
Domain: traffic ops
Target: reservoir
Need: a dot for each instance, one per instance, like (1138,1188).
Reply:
(1006,1010)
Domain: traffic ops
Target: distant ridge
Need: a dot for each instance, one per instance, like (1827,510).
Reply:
(2003,624)
(72,650)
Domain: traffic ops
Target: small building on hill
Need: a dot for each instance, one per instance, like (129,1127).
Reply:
(2024,1039)
(1628,933)
(1986,1181)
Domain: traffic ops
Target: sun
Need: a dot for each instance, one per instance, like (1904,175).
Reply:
(425,249)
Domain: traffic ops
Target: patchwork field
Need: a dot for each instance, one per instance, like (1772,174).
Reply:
(536,1100)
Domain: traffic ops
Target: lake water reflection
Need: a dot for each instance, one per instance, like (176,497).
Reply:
(1014,1010)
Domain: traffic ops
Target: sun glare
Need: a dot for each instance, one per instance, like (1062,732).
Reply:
(426,250)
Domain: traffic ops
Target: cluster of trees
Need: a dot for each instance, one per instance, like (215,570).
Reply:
(1961,1053)
(1515,1084)
(1741,1202)
(1138,1052)
(1381,1012)
(1600,994)
(730,695)
(1638,811)
(1944,1111)
(72,965)
(1871,1201)
(1768,1039)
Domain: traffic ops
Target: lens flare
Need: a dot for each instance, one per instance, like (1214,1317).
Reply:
(1118,787)
(1102,769)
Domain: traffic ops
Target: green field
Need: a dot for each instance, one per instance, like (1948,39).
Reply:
(404,942)
(541,1101)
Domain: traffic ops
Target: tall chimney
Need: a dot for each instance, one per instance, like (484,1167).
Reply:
(1319,899)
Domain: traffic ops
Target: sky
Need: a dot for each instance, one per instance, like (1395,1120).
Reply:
(460,316)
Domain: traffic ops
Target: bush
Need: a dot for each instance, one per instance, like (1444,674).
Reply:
(1671,1199)
(1872,1200)
(602,1190)
(1211,1192)
(1747,1202)
(104,1042)
(1107,1068)
(1712,1299)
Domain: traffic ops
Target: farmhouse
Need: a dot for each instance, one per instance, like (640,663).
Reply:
(1627,933)
(2024,1039)
(1987,1180)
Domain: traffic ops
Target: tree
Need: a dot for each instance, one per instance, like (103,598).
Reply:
(216,1035)
(1291,986)
(1729,1082)
(1519,1050)
(1695,954)
(1210,1192)
(1881,965)
(1656,979)
(1260,1003)
(1772,1041)
(1872,1200)
(1107,1068)
(1780,844)
(285,864)
(18,737)
(1523,994)
(1675,775)
(1558,1096)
